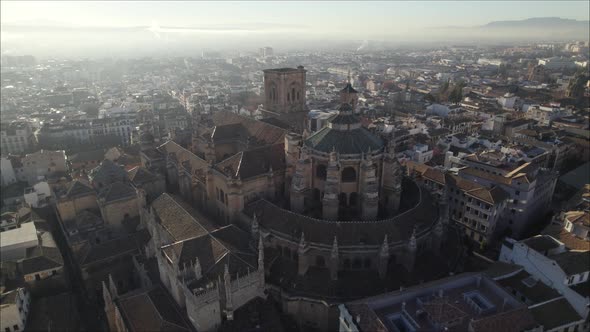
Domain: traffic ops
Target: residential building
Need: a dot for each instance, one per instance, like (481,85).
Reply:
(554,264)
(480,211)
(465,302)
(7,171)
(38,165)
(14,309)
(17,137)
(530,187)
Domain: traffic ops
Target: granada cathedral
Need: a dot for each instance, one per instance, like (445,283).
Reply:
(262,208)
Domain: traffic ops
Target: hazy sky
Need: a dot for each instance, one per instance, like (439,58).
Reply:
(369,18)
(251,24)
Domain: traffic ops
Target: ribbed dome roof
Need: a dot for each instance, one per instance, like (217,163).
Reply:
(345,134)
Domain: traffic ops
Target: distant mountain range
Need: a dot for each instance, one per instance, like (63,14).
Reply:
(531,29)
(540,22)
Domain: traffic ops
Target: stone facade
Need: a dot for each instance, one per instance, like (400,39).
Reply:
(341,178)
(284,90)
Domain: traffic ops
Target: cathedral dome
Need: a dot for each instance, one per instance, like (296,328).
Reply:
(344,134)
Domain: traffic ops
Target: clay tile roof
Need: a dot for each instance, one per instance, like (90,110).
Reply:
(250,163)
(117,191)
(442,312)
(233,131)
(178,219)
(50,258)
(541,243)
(134,243)
(515,320)
(108,172)
(573,262)
(570,240)
(435,175)
(83,156)
(78,188)
(555,313)
(582,217)
(486,175)
(207,249)
(139,175)
(260,133)
(491,196)
(152,310)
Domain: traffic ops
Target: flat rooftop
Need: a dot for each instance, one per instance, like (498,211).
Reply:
(451,302)
(26,233)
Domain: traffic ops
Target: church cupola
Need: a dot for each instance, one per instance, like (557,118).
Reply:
(349,95)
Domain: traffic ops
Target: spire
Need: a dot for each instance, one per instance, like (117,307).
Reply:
(260,253)
(197,268)
(301,248)
(254,226)
(384,247)
(348,77)
(438,228)
(112,287)
(334,253)
(412,245)
(228,293)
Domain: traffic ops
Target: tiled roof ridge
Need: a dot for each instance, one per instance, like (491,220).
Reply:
(187,212)
(229,251)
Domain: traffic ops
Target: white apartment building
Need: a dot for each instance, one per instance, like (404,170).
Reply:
(37,165)
(14,243)
(557,63)
(7,171)
(507,101)
(16,137)
(14,310)
(530,188)
(544,114)
(38,195)
(550,261)
(478,210)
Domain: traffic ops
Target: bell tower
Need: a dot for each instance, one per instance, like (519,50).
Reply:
(284,90)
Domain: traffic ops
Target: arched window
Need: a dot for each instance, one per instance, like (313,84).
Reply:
(298,95)
(293,93)
(288,96)
(319,261)
(348,174)
(320,172)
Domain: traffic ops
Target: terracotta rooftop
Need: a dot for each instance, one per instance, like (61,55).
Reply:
(151,310)
(178,219)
